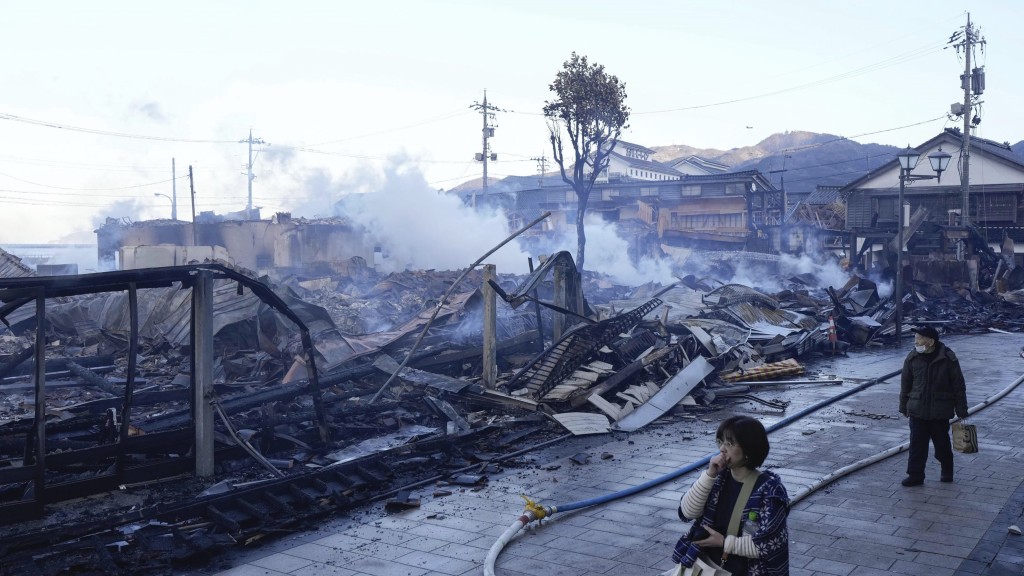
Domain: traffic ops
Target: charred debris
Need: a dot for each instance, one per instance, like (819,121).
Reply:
(153,417)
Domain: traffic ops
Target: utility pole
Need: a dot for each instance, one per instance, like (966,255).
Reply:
(542,167)
(174,193)
(192,189)
(249,175)
(782,186)
(488,130)
(973,83)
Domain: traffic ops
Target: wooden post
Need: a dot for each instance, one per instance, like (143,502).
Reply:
(536,310)
(490,360)
(578,294)
(202,372)
(560,299)
(39,477)
(129,386)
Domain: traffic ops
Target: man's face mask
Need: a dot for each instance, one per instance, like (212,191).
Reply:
(922,344)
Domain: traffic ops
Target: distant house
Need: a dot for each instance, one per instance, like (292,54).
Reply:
(628,161)
(933,226)
(729,210)
(816,223)
(654,203)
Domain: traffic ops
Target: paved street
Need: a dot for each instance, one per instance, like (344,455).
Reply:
(863,524)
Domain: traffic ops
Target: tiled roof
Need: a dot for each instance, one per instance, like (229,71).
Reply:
(703,163)
(989,146)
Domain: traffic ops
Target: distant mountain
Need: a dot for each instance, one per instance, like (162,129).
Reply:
(809,159)
(801,160)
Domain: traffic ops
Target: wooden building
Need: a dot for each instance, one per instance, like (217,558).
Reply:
(933,225)
(726,211)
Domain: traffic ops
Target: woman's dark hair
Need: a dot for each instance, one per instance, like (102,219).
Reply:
(749,434)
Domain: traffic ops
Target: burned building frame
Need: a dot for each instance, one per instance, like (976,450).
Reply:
(180,446)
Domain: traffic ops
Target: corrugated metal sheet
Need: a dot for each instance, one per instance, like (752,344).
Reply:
(228,308)
(11,266)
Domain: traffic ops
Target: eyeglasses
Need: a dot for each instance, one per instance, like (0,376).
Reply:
(727,443)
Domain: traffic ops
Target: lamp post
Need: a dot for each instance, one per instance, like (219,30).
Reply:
(908,161)
(174,211)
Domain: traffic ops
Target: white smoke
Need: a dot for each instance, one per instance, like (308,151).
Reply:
(608,253)
(884,288)
(420,228)
(826,270)
(766,273)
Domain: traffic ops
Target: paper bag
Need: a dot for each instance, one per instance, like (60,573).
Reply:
(701,567)
(965,438)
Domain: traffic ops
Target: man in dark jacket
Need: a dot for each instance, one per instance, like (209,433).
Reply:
(932,389)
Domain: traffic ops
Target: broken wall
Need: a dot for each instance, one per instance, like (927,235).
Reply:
(296,244)
(726,215)
(134,257)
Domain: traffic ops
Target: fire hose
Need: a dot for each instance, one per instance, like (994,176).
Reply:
(536,511)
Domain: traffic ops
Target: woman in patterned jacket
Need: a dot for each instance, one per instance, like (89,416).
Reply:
(759,544)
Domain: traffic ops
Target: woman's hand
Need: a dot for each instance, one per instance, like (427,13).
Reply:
(714,539)
(717,464)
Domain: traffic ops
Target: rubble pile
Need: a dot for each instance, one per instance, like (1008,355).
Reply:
(336,391)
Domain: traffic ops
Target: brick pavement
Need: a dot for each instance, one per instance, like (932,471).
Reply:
(861,525)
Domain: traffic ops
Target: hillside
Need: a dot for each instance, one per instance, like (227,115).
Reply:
(813,159)
(802,160)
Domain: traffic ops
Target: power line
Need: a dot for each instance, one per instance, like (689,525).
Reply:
(12,117)
(88,189)
(841,138)
(80,165)
(888,62)
(395,129)
(899,59)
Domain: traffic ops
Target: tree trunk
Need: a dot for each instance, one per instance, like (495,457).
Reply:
(581,235)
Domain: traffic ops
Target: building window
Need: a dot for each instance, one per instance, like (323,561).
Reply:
(691,190)
(706,221)
(713,189)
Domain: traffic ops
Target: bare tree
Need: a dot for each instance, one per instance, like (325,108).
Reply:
(590,106)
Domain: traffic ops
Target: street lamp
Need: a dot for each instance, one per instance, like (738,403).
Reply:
(908,161)
(174,210)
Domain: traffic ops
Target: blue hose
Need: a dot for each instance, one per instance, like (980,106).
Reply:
(703,461)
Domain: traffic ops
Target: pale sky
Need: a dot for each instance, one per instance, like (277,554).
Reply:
(99,96)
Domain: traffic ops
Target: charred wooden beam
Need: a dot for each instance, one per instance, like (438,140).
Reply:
(560,360)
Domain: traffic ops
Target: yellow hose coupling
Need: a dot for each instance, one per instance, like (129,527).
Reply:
(538,510)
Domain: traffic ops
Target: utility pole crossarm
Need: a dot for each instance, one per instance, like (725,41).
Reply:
(542,167)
